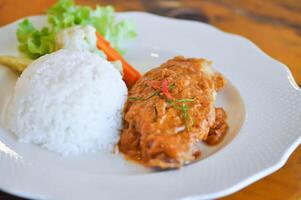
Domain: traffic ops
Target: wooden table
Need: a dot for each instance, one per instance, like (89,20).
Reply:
(274,25)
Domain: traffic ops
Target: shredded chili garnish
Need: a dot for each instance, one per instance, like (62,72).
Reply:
(165,89)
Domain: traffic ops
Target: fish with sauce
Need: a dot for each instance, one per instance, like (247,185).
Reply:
(170,110)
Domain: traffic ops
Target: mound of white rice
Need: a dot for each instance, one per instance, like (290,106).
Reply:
(69,102)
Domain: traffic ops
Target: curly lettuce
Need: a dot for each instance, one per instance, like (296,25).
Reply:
(35,43)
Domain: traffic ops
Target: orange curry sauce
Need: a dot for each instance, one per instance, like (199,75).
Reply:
(169,111)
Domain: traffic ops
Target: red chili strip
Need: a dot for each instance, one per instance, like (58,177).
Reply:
(165,90)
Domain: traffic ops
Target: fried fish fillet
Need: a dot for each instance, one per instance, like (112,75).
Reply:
(170,110)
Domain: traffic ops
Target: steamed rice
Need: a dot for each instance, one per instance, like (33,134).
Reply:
(69,102)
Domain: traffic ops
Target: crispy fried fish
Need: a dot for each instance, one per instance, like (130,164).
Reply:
(170,110)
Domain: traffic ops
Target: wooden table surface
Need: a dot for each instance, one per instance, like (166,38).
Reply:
(273,25)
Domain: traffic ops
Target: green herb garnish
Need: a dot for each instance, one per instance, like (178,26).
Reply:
(184,100)
(183,108)
(157,92)
(37,42)
(135,98)
(171,87)
(185,115)
(173,102)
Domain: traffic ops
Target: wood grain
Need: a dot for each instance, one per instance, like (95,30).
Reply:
(273,25)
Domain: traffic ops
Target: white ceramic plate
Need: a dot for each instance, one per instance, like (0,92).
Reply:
(262,100)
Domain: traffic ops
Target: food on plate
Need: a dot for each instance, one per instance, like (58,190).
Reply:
(69,102)
(70,99)
(17,64)
(80,37)
(71,96)
(130,74)
(170,110)
(219,128)
(64,14)
(75,27)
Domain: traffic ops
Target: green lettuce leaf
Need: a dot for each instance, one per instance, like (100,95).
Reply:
(64,14)
(33,42)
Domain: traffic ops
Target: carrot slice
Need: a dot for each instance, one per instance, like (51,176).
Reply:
(130,74)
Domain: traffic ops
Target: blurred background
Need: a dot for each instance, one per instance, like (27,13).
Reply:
(273,25)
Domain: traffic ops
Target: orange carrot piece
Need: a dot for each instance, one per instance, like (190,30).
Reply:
(130,74)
